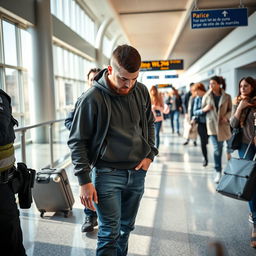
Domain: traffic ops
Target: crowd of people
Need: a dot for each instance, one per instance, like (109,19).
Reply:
(212,114)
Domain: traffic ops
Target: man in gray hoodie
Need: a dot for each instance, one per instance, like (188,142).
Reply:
(113,135)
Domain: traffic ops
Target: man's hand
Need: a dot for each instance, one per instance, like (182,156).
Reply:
(88,194)
(144,164)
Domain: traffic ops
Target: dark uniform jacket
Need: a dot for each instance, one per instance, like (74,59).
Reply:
(7,135)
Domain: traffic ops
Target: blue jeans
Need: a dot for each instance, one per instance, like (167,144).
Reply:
(119,194)
(249,156)
(157,132)
(174,116)
(217,145)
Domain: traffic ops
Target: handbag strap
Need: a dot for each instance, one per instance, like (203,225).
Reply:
(247,149)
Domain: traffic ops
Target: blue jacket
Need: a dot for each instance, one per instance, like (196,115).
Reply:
(197,112)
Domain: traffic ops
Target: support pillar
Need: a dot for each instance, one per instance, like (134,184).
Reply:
(43,93)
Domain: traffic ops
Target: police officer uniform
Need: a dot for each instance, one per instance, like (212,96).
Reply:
(10,230)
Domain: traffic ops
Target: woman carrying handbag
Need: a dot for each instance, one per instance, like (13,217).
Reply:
(243,117)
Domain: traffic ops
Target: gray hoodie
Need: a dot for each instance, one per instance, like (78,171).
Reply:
(111,130)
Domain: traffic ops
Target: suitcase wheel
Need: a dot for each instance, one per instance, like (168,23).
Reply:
(42,213)
(66,213)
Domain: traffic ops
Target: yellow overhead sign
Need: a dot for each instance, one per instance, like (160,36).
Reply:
(161,65)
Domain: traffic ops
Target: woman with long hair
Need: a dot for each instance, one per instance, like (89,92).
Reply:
(157,109)
(217,105)
(199,117)
(243,116)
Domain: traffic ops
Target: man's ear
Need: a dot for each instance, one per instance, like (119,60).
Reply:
(110,69)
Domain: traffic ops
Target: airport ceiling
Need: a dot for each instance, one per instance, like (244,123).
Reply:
(160,29)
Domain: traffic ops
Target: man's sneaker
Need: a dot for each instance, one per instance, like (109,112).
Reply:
(89,224)
(195,144)
(186,142)
(217,177)
(250,218)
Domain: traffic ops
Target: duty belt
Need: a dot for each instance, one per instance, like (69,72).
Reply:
(6,176)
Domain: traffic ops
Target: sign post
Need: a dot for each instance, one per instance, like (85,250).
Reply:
(219,18)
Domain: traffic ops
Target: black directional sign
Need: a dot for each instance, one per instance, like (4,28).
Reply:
(161,65)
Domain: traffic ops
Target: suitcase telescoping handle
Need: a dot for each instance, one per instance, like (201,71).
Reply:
(253,139)
(45,178)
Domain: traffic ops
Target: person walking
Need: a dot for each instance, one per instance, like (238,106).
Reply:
(187,101)
(157,109)
(243,115)
(175,103)
(113,133)
(90,216)
(11,240)
(217,105)
(198,116)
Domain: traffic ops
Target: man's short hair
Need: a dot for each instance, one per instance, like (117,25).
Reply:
(93,70)
(127,57)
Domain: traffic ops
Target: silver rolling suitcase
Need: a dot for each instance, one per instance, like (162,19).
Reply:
(52,192)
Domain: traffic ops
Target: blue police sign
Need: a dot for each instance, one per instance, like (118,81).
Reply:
(219,18)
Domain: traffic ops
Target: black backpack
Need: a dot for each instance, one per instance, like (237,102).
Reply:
(7,121)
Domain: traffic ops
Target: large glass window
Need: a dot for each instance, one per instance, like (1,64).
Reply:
(70,78)
(26,49)
(106,46)
(69,94)
(75,17)
(12,88)
(15,59)
(10,44)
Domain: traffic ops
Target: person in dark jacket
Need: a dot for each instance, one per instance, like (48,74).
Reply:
(90,76)
(113,133)
(90,216)
(10,229)
(175,103)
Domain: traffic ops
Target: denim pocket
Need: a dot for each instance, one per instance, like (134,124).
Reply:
(141,171)
(104,170)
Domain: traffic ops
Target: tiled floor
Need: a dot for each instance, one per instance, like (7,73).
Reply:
(180,213)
